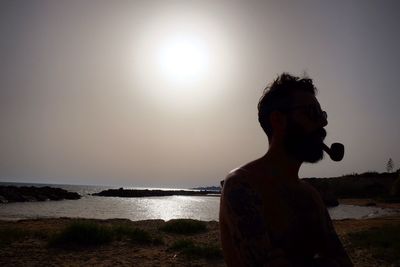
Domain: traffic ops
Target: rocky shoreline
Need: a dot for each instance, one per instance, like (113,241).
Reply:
(121,192)
(31,193)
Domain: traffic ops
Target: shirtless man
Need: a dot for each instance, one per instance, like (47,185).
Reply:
(268,216)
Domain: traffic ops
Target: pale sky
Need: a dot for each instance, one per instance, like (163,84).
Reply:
(164,93)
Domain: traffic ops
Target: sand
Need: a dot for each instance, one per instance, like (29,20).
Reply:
(33,251)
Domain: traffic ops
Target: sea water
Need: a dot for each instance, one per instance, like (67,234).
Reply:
(168,207)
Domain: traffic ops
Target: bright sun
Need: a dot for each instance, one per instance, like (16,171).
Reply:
(183,60)
(181,64)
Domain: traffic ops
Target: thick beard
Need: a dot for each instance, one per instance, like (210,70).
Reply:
(305,147)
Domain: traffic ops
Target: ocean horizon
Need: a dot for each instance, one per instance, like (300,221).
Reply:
(205,208)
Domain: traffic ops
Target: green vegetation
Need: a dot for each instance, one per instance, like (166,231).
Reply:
(190,249)
(11,234)
(395,189)
(365,185)
(87,233)
(383,242)
(184,226)
(82,233)
(389,165)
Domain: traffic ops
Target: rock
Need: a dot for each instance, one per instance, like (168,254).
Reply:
(32,193)
(151,193)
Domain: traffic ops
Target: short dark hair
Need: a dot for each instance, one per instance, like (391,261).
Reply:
(278,94)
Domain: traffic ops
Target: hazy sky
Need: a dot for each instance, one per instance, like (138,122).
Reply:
(164,93)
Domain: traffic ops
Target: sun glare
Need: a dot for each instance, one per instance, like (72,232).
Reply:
(183,60)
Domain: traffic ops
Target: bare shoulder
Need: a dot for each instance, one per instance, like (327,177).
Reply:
(307,186)
(244,176)
(249,172)
(244,238)
(237,173)
(239,187)
(235,179)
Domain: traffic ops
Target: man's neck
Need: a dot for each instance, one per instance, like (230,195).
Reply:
(282,165)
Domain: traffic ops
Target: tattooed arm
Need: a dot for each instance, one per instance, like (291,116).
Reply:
(244,236)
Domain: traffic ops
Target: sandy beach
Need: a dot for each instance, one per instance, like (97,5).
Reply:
(34,251)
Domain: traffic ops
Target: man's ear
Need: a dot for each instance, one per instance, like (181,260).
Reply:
(278,121)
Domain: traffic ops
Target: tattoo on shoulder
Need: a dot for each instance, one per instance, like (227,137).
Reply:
(249,229)
(246,206)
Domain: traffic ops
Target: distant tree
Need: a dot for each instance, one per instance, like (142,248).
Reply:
(389,165)
(395,190)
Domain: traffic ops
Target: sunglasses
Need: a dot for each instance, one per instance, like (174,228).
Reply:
(314,112)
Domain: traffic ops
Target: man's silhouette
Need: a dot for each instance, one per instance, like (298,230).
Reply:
(268,216)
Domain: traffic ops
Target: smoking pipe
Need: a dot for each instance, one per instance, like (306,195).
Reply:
(335,152)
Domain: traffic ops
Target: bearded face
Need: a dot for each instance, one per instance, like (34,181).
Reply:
(304,147)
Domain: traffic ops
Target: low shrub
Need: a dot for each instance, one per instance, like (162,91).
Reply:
(82,233)
(87,233)
(383,242)
(9,235)
(184,226)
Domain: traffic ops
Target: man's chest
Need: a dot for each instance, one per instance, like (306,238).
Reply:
(293,215)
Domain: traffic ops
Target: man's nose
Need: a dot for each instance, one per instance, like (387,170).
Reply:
(323,119)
